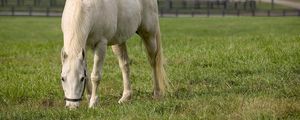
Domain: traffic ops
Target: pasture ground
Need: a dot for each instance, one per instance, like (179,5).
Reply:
(219,68)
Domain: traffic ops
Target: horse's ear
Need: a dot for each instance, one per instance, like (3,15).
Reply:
(63,55)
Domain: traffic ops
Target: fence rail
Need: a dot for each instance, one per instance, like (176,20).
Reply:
(167,8)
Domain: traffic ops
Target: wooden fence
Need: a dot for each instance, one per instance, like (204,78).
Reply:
(167,8)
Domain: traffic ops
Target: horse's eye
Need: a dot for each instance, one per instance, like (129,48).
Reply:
(82,79)
(62,79)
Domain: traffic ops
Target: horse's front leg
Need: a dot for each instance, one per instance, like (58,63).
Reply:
(121,52)
(99,54)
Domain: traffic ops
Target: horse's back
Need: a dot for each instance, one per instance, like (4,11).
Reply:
(131,15)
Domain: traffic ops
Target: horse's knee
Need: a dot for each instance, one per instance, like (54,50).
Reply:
(125,65)
(95,78)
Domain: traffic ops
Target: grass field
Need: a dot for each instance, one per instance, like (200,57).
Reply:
(219,68)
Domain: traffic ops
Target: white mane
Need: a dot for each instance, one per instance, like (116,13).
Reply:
(75,31)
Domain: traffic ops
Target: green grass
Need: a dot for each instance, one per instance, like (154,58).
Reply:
(219,68)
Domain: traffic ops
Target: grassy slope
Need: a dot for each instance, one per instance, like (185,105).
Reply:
(232,68)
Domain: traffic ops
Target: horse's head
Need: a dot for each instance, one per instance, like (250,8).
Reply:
(73,77)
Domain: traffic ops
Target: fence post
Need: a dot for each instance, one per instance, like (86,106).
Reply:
(176,12)
(208,8)
(283,13)
(12,11)
(223,12)
(35,3)
(298,12)
(235,5)
(170,4)
(225,4)
(48,12)
(208,12)
(193,13)
(269,13)
(238,12)
(218,3)
(184,4)
(253,12)
(3,3)
(18,2)
(162,12)
(30,11)
(52,3)
(251,4)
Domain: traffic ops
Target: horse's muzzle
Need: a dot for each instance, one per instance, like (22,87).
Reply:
(72,105)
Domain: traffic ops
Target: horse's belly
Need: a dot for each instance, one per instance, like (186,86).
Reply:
(129,19)
(122,35)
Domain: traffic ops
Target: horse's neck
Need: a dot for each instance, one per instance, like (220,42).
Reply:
(74,46)
(75,27)
(74,39)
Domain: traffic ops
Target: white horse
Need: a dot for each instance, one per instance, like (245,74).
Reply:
(101,23)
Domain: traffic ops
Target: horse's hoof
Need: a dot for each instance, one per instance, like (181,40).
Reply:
(93,102)
(123,100)
(157,95)
(125,97)
(88,97)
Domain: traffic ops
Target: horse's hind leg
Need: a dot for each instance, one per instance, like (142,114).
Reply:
(121,52)
(152,43)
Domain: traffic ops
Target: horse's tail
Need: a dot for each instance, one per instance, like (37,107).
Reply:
(160,71)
